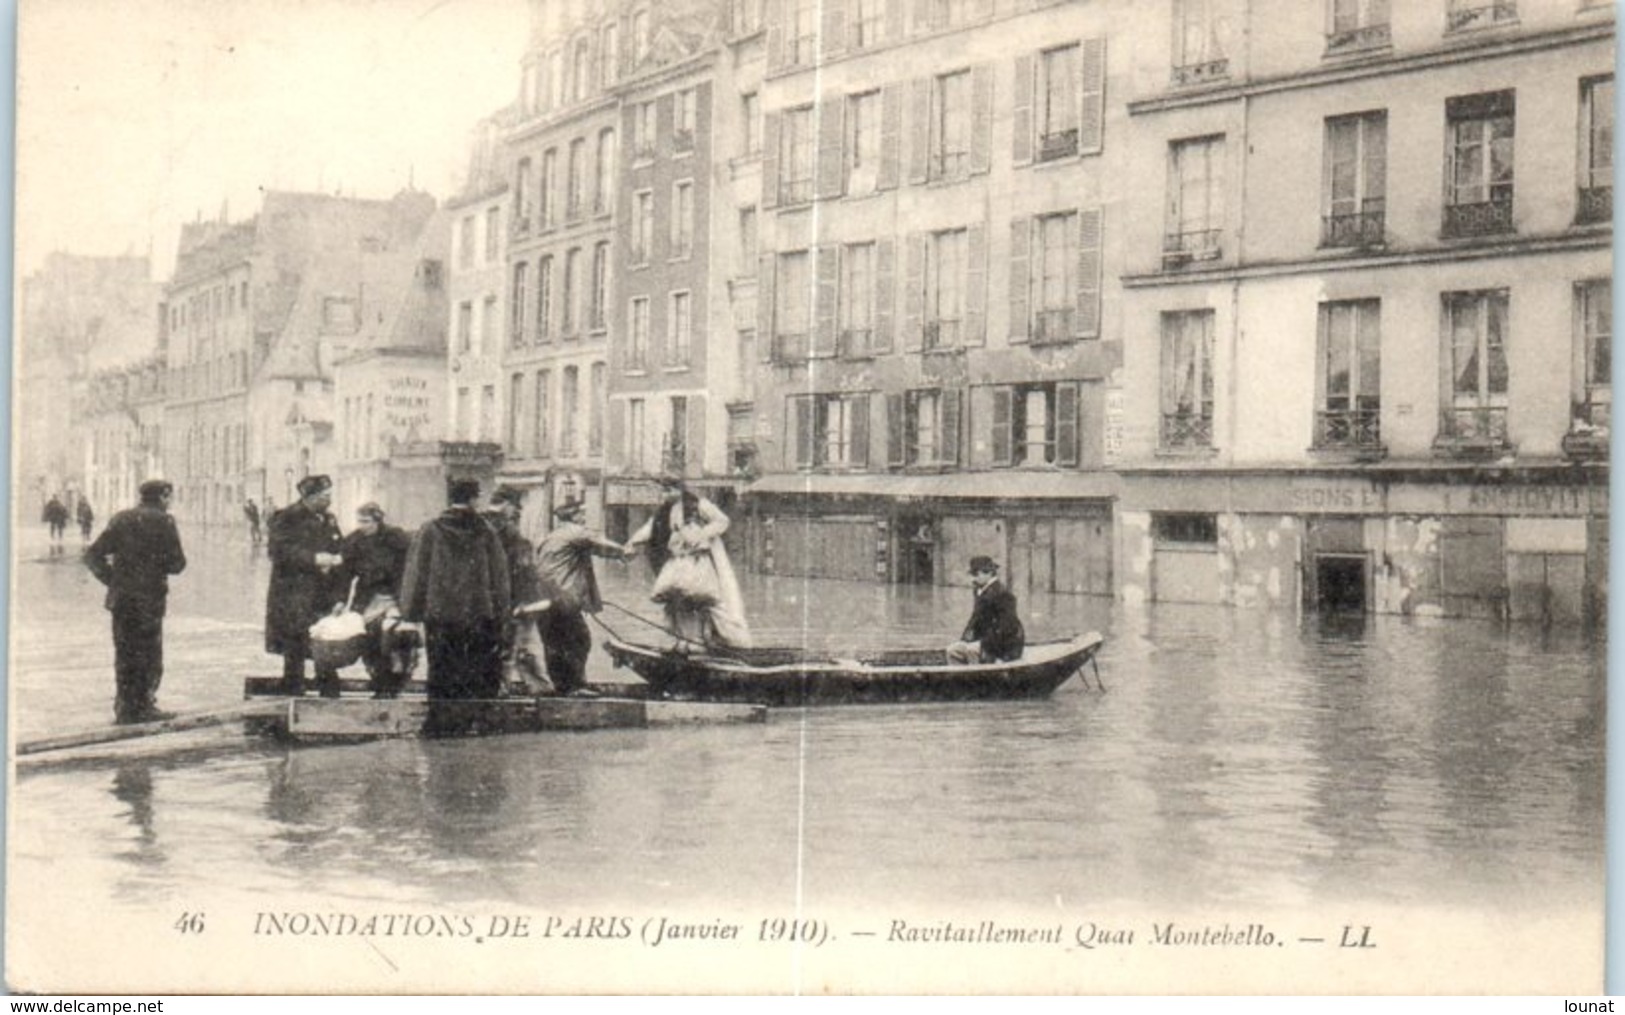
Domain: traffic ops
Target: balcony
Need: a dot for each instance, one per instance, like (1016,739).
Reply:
(1058,145)
(1480,431)
(1186,431)
(1595,205)
(1365,228)
(1358,40)
(791,347)
(1180,249)
(1587,439)
(1464,18)
(857,343)
(940,335)
(1481,218)
(1356,430)
(1208,72)
(1053,326)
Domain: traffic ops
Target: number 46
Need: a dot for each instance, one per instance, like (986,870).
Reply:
(190,923)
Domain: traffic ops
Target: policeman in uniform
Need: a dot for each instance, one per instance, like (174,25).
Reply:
(134,557)
(305,547)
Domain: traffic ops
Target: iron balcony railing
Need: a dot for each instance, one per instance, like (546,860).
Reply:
(1480,218)
(941,334)
(857,342)
(1351,40)
(795,191)
(948,165)
(1058,145)
(1478,425)
(1185,430)
(1348,429)
(1053,326)
(792,346)
(1206,72)
(1596,204)
(1363,228)
(1463,17)
(1194,245)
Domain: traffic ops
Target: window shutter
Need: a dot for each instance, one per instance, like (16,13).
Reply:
(891,135)
(833,26)
(950,425)
(885,296)
(894,20)
(1001,426)
(1092,93)
(1087,319)
(981,118)
(804,431)
(1066,423)
(858,406)
(772,126)
(894,430)
(911,428)
(830,164)
(923,20)
(824,337)
(773,18)
(1022,112)
(767,341)
(919,129)
(627,45)
(914,293)
(1020,285)
(976,285)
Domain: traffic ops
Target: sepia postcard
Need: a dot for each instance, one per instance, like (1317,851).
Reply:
(810,497)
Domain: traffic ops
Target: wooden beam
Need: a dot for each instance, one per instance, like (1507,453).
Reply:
(179,724)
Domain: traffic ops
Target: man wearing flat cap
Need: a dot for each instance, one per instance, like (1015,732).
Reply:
(305,547)
(994,634)
(571,585)
(134,557)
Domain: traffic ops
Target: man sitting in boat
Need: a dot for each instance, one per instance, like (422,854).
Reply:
(994,634)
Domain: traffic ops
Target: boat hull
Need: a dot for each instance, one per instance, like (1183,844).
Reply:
(886,679)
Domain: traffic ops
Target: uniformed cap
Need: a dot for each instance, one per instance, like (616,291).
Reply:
(569,509)
(152,489)
(310,486)
(506,494)
(987,564)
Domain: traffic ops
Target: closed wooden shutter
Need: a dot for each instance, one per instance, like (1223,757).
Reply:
(895,411)
(772,126)
(891,135)
(831,177)
(885,296)
(773,18)
(1066,423)
(981,118)
(919,130)
(1002,438)
(803,408)
(951,417)
(1087,319)
(1092,93)
(975,332)
(858,406)
(824,341)
(833,26)
(767,343)
(1020,257)
(1021,111)
(914,293)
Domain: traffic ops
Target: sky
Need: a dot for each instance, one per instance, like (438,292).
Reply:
(134,116)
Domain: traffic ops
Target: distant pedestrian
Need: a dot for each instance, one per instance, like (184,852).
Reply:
(56,517)
(304,548)
(251,511)
(134,557)
(87,518)
(571,586)
(456,585)
(994,634)
(375,559)
(521,645)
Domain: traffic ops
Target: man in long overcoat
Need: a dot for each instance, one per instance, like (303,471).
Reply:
(456,585)
(306,582)
(134,557)
(521,645)
(994,634)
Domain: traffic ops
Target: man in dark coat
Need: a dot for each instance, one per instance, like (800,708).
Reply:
(994,634)
(134,557)
(87,518)
(570,585)
(521,646)
(375,559)
(457,585)
(55,516)
(306,582)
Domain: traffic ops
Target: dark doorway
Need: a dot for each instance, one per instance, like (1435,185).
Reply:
(1340,583)
(916,550)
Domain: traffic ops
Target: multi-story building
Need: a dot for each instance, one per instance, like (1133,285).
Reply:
(1366,311)
(941,185)
(477,282)
(118,416)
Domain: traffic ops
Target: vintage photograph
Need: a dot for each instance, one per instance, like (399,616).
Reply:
(810,496)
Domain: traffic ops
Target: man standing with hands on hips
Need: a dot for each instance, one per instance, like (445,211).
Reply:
(134,557)
(304,547)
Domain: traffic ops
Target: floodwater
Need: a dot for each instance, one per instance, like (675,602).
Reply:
(1234,759)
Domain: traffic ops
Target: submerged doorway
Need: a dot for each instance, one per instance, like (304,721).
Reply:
(1340,582)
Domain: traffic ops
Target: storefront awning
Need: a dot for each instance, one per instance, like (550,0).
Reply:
(1001,485)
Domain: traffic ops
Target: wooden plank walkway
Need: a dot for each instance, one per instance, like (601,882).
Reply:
(337,719)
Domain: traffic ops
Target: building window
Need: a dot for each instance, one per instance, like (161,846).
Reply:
(945,267)
(747,239)
(796,157)
(792,323)
(1058,102)
(575,179)
(682,219)
(1195,201)
(831,431)
(750,114)
(465,243)
(922,427)
(803,40)
(937,15)
(581,70)
(747,16)
(1466,15)
(465,327)
(1596,150)
(857,300)
(488,327)
(1349,415)
(950,126)
(1055,277)
(1035,424)
(1475,407)
(609,54)
(1356,25)
(568,326)
(637,345)
(595,410)
(521,283)
(488,412)
(1356,171)
(570,406)
(640,36)
(540,440)
(603,193)
(521,197)
(746,355)
(862,144)
(1187,380)
(516,406)
(684,119)
(674,450)
(493,240)
(546,207)
(544,299)
(868,22)
(1199,52)
(1185,529)
(460,414)
(1595,314)
(1478,160)
(643,131)
(600,287)
(643,226)
(636,435)
(679,330)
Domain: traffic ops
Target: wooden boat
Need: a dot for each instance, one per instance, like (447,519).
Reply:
(795,676)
